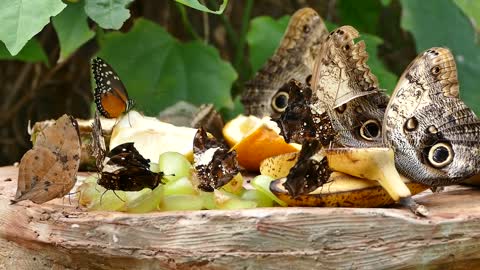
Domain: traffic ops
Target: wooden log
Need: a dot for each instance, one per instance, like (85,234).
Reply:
(60,235)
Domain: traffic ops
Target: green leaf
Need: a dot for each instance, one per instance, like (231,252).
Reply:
(472,9)
(72,29)
(32,52)
(454,31)
(263,38)
(109,14)
(197,5)
(386,78)
(363,15)
(21,20)
(158,70)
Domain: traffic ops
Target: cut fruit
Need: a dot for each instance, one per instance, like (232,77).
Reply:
(343,191)
(255,139)
(369,163)
(181,202)
(146,202)
(152,137)
(174,166)
(278,166)
(262,184)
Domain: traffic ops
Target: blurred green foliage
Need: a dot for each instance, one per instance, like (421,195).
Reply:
(160,70)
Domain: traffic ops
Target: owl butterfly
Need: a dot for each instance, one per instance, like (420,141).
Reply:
(49,169)
(346,89)
(435,136)
(215,165)
(123,168)
(293,59)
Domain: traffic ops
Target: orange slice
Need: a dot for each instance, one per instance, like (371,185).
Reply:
(255,139)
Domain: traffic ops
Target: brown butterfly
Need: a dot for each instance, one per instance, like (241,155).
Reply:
(293,59)
(123,167)
(215,165)
(49,169)
(435,136)
(346,105)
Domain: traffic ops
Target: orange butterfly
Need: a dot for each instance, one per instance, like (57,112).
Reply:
(110,95)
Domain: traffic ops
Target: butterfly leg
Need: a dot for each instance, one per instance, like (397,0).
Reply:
(417,209)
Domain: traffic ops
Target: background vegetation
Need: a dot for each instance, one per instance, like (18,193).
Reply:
(165,51)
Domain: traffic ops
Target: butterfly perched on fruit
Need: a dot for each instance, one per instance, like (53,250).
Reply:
(110,94)
(123,167)
(49,169)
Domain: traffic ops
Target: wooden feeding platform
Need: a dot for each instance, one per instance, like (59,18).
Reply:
(59,235)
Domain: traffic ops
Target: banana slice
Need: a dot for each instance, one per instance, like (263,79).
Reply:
(344,190)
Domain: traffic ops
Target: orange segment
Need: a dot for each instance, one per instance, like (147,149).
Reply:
(255,139)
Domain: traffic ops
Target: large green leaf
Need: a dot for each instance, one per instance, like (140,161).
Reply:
(444,24)
(20,20)
(31,52)
(158,70)
(363,15)
(197,5)
(72,28)
(472,9)
(109,14)
(263,38)
(265,34)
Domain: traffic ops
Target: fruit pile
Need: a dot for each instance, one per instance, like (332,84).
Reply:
(179,189)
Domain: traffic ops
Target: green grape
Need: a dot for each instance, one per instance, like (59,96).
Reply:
(181,202)
(89,190)
(262,184)
(208,200)
(154,167)
(181,186)
(259,197)
(235,186)
(225,200)
(174,165)
(109,201)
(146,202)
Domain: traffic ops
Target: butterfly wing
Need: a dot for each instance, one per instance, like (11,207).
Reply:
(348,91)
(434,134)
(49,170)
(293,59)
(110,94)
(215,165)
(126,169)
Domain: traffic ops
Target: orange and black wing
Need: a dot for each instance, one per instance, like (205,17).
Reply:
(110,94)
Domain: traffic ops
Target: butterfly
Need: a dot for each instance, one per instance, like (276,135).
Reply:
(48,170)
(110,94)
(435,136)
(214,164)
(293,59)
(346,105)
(123,168)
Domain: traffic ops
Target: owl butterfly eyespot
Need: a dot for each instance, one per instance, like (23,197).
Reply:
(300,121)
(435,136)
(347,91)
(110,94)
(214,164)
(293,59)
(49,169)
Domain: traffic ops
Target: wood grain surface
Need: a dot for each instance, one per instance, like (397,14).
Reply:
(59,235)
